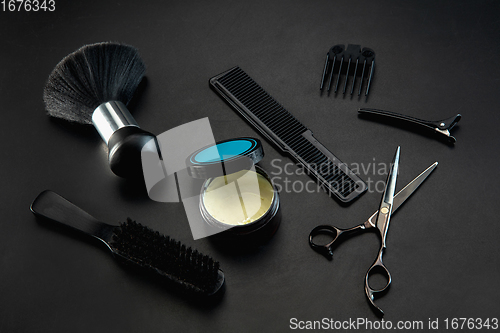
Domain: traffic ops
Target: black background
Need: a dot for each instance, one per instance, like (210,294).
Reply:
(434,59)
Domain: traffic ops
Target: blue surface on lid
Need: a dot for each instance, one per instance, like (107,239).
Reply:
(224,151)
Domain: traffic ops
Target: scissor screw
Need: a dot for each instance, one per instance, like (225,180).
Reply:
(384,210)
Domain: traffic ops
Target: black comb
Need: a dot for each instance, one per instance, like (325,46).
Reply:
(285,131)
(352,62)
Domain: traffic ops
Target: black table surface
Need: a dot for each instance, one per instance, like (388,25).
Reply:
(434,59)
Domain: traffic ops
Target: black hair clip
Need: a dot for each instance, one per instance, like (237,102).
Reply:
(441,127)
(358,61)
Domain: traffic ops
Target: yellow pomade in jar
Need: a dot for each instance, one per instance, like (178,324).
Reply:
(239,198)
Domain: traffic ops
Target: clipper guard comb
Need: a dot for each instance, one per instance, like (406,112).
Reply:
(350,64)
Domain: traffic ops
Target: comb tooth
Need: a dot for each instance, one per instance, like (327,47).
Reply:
(362,77)
(347,74)
(355,73)
(331,72)
(370,79)
(324,72)
(340,71)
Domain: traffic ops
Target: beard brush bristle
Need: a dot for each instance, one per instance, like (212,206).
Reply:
(90,76)
(196,272)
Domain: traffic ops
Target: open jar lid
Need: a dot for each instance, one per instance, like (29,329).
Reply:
(225,157)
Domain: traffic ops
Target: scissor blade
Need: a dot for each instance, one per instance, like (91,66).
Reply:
(405,193)
(411,187)
(390,186)
(385,209)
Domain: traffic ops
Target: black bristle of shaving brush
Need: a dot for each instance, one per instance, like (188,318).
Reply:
(93,85)
(90,76)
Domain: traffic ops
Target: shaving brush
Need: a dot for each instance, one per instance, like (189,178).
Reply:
(93,85)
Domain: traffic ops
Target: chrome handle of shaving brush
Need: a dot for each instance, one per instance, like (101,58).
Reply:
(124,137)
(110,117)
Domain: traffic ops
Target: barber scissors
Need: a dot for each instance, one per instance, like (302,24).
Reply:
(380,220)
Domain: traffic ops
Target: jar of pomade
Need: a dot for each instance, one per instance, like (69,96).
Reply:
(237,196)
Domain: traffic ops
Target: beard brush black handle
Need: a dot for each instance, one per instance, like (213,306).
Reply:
(52,206)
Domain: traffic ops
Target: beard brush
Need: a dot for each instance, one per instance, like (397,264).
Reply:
(133,243)
(93,85)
